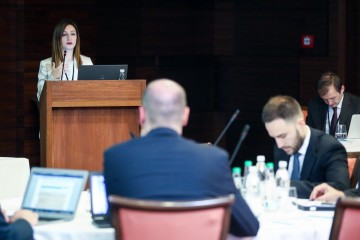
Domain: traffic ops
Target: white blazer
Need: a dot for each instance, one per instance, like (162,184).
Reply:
(45,72)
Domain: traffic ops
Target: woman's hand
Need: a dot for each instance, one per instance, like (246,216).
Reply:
(56,71)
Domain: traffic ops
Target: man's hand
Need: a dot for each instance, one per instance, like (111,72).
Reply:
(324,192)
(27,215)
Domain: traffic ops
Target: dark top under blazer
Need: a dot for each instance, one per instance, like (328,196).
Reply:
(325,161)
(19,230)
(318,110)
(165,166)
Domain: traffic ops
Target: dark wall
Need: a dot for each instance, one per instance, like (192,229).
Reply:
(228,54)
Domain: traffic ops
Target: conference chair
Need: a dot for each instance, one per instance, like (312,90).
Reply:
(354,171)
(14,175)
(346,223)
(163,220)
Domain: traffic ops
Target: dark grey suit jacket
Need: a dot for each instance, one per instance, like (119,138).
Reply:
(325,161)
(165,166)
(19,230)
(318,110)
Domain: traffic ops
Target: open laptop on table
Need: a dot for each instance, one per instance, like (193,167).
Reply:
(98,200)
(54,193)
(103,72)
(354,129)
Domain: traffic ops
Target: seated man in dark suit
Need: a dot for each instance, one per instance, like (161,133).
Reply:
(332,98)
(162,165)
(313,156)
(18,227)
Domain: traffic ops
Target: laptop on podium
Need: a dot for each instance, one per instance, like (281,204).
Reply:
(103,72)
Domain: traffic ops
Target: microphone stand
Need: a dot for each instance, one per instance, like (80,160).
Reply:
(227,126)
(243,135)
(62,71)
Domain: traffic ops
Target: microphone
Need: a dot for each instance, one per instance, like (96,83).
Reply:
(132,135)
(227,126)
(62,72)
(241,139)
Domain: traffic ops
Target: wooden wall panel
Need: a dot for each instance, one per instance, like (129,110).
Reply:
(228,54)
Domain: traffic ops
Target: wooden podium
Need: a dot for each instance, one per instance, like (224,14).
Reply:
(80,119)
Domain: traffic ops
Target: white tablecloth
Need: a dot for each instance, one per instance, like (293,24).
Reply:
(351,145)
(291,224)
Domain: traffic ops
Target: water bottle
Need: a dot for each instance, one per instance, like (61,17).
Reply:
(252,189)
(247,165)
(122,74)
(282,185)
(236,174)
(261,168)
(270,203)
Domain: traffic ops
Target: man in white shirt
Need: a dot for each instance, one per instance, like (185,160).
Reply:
(332,98)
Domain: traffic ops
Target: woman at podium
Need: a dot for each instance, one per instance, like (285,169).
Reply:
(65,56)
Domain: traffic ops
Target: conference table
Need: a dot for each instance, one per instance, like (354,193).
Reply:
(290,224)
(352,147)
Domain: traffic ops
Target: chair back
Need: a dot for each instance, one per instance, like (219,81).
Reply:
(346,223)
(162,220)
(14,175)
(354,175)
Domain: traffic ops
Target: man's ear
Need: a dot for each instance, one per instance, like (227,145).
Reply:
(342,89)
(141,115)
(185,118)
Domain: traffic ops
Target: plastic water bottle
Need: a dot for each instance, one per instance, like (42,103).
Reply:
(236,174)
(247,165)
(282,185)
(269,202)
(252,189)
(261,167)
(122,74)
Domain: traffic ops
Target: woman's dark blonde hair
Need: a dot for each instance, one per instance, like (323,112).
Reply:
(57,52)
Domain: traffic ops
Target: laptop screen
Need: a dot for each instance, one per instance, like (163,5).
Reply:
(103,72)
(54,193)
(99,203)
(354,131)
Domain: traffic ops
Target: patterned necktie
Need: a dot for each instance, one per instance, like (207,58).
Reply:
(295,175)
(333,123)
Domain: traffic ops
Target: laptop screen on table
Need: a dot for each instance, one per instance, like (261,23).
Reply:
(98,200)
(99,204)
(54,193)
(354,130)
(103,72)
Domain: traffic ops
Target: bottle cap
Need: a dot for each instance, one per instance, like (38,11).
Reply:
(282,164)
(236,170)
(248,163)
(270,165)
(260,158)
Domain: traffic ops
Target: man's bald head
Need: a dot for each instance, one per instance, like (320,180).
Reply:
(164,104)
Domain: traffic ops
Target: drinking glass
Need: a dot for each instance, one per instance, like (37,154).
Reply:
(340,133)
(292,195)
